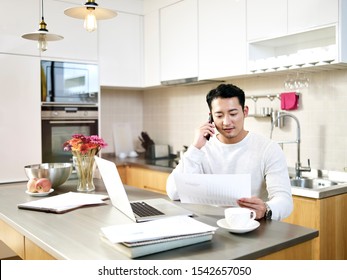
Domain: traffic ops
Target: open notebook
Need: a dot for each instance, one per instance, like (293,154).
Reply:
(138,211)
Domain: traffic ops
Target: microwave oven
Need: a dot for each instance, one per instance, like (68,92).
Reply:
(69,82)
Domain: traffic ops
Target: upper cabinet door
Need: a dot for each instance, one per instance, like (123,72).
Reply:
(151,49)
(12,28)
(78,44)
(311,14)
(120,51)
(179,40)
(266,18)
(222,38)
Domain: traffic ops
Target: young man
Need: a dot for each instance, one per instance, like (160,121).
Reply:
(233,150)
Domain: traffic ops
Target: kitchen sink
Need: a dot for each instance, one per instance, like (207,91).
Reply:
(316,183)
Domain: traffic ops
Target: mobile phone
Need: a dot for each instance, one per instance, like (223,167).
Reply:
(210,120)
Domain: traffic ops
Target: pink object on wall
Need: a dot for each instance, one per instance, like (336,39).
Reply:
(289,101)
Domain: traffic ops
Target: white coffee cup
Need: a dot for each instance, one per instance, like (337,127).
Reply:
(239,217)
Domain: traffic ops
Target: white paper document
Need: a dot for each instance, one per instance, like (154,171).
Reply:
(162,228)
(213,189)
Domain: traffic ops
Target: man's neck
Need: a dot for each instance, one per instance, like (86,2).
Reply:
(233,140)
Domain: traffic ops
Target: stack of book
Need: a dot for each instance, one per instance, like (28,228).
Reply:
(139,239)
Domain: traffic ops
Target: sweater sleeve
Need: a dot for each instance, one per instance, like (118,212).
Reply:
(278,183)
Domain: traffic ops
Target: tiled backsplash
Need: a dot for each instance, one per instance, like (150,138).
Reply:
(171,115)
(120,106)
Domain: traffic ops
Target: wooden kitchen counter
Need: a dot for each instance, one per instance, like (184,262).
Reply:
(75,234)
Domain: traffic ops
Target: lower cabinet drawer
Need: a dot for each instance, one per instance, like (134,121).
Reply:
(34,252)
(12,238)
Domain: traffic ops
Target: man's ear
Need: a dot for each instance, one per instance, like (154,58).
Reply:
(245,111)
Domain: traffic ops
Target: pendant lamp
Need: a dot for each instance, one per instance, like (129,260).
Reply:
(90,12)
(42,35)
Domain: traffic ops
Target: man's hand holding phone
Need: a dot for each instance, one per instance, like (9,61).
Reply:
(210,120)
(204,133)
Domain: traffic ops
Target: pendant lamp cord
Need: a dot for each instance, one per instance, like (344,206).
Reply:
(42,16)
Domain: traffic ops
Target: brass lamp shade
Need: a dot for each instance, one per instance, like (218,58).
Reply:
(81,12)
(42,36)
(37,35)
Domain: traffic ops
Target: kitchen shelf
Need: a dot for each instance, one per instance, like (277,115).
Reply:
(268,112)
(317,46)
(268,96)
(259,116)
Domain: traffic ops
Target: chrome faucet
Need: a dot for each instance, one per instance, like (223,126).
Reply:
(298,167)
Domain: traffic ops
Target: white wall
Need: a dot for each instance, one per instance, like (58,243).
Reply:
(170,115)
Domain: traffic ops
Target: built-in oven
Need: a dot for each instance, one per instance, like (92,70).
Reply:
(60,122)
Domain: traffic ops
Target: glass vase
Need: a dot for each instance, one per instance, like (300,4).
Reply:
(84,165)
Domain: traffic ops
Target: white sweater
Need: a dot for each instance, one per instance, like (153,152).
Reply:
(255,155)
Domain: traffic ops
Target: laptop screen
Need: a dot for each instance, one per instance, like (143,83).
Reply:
(114,186)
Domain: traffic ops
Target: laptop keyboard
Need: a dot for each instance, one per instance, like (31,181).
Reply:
(142,209)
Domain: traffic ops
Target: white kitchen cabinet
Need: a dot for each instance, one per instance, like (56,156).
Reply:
(120,51)
(16,20)
(274,18)
(78,44)
(266,18)
(302,49)
(303,15)
(311,34)
(151,49)
(222,38)
(20,115)
(179,40)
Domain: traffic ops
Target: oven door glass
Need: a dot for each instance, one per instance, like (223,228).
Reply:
(56,132)
(67,82)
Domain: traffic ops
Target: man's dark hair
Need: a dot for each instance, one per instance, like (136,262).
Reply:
(226,91)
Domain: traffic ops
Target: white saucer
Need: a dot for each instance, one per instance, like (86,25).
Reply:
(39,193)
(252,226)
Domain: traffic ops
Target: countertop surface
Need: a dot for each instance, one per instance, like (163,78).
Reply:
(320,193)
(75,234)
(167,165)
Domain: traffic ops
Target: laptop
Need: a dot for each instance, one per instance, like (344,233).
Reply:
(138,211)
